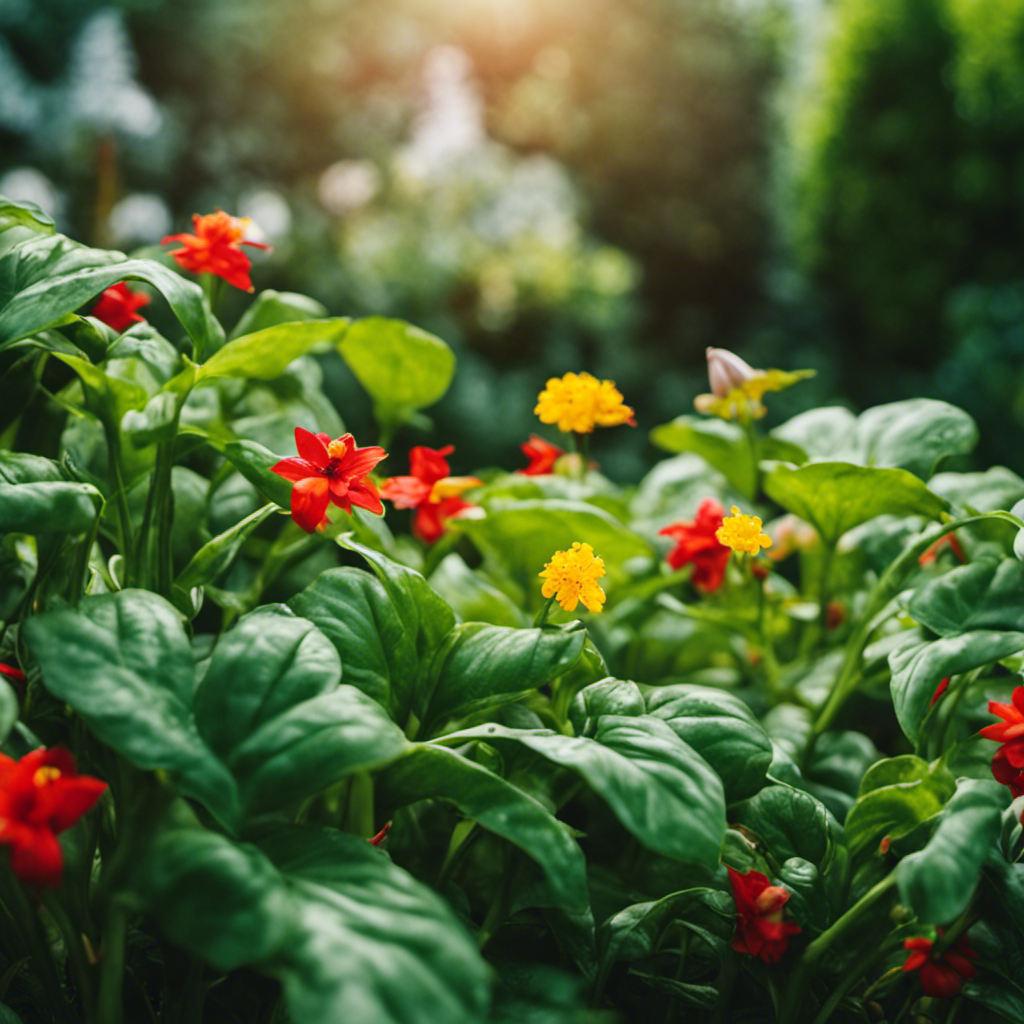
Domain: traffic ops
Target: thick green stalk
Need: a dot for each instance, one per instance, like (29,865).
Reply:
(124,515)
(109,1005)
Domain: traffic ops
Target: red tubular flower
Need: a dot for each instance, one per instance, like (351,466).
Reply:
(698,545)
(214,248)
(542,455)
(116,307)
(1008,763)
(760,930)
(11,672)
(943,976)
(41,795)
(949,540)
(939,690)
(1003,771)
(329,472)
(430,490)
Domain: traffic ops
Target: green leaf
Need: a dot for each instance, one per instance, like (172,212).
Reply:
(253,461)
(22,468)
(605,697)
(124,663)
(8,709)
(48,507)
(429,771)
(896,796)
(918,666)
(46,279)
(836,496)
(349,935)
(271,308)
(267,353)
(937,882)
(215,556)
(471,597)
(791,823)
(987,594)
(402,367)
(520,538)
(481,667)
(658,787)
(19,213)
(722,729)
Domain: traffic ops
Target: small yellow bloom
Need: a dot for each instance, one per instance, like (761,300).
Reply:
(571,576)
(742,533)
(579,402)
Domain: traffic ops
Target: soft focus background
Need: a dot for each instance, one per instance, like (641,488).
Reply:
(552,185)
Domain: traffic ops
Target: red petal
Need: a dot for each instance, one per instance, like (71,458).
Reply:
(364,493)
(310,498)
(294,469)
(69,797)
(360,461)
(311,448)
(36,856)
(405,491)
(429,464)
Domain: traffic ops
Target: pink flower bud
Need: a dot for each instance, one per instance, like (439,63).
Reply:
(727,371)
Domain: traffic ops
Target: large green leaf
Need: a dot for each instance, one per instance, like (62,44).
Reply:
(791,823)
(520,538)
(836,496)
(402,367)
(918,666)
(349,935)
(216,555)
(937,882)
(265,354)
(987,594)
(432,772)
(271,308)
(18,213)
(44,280)
(22,468)
(253,461)
(658,787)
(480,667)
(471,596)
(722,729)
(48,507)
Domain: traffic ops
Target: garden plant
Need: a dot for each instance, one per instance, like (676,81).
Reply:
(297,729)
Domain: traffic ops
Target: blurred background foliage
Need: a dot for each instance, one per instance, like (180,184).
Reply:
(548,186)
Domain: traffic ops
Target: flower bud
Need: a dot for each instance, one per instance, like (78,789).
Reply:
(727,371)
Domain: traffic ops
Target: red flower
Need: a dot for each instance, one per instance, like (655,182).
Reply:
(430,490)
(41,795)
(1009,732)
(116,307)
(760,930)
(542,455)
(11,672)
(329,471)
(697,544)
(939,690)
(379,837)
(214,248)
(1004,772)
(949,540)
(941,976)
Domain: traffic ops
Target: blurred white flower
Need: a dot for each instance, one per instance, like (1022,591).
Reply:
(32,186)
(348,185)
(269,212)
(139,218)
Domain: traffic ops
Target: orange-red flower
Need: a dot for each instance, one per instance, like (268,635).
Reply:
(214,248)
(11,672)
(116,307)
(542,455)
(429,489)
(760,929)
(947,540)
(1008,763)
(41,795)
(698,545)
(940,976)
(939,690)
(329,472)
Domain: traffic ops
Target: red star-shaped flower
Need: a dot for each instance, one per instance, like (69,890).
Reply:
(760,929)
(697,545)
(116,307)
(542,455)
(329,472)
(41,795)
(429,489)
(1008,763)
(943,976)
(214,248)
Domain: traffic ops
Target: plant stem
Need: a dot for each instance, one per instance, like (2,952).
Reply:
(109,1008)
(753,448)
(73,945)
(119,486)
(359,815)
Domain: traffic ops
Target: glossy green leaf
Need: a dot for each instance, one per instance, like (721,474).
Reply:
(521,538)
(471,596)
(836,496)
(402,367)
(216,555)
(604,697)
(937,882)
(19,213)
(827,432)
(271,308)
(8,709)
(432,772)
(790,823)
(266,354)
(658,787)
(253,461)
(987,594)
(997,487)
(918,666)
(22,468)
(480,667)
(48,507)
(349,935)
(123,662)
(722,729)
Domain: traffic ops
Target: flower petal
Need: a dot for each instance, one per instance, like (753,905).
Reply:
(311,448)
(310,498)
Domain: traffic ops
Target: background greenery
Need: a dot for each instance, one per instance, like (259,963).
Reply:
(548,186)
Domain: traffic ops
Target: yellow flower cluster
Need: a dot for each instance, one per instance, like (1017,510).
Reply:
(579,402)
(571,576)
(742,533)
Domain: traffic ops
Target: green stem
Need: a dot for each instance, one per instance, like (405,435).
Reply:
(195,993)
(542,615)
(753,447)
(109,1006)
(73,944)
(81,567)
(359,815)
(499,908)
(771,664)
(464,836)
(164,508)
(119,486)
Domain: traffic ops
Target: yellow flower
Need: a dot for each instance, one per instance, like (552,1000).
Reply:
(742,533)
(571,576)
(579,402)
